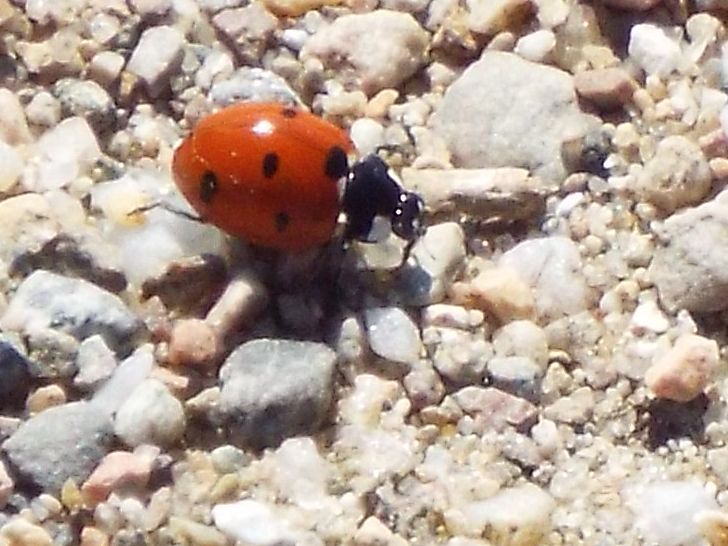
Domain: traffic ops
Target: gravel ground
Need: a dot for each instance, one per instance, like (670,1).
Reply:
(547,368)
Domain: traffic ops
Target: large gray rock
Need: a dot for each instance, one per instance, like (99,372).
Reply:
(690,269)
(72,306)
(272,389)
(59,443)
(504,111)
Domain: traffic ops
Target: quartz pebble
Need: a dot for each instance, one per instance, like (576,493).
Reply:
(14,128)
(437,257)
(117,469)
(383,47)
(45,397)
(6,485)
(193,343)
(653,50)
(683,373)
(156,57)
(20,531)
(553,268)
(481,128)
(677,175)
(498,291)
(13,164)
(63,153)
(150,415)
(521,511)
(393,335)
(495,407)
(95,362)
(665,511)
(252,522)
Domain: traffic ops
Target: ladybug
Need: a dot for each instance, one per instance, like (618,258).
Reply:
(270,174)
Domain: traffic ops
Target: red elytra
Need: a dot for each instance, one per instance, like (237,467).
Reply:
(265,172)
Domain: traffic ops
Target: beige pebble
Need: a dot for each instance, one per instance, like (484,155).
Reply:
(20,532)
(606,88)
(6,485)
(684,371)
(713,525)
(91,536)
(105,67)
(719,167)
(196,533)
(294,8)
(13,123)
(193,343)
(373,532)
(116,469)
(44,398)
(499,291)
(243,300)
(632,5)
(379,104)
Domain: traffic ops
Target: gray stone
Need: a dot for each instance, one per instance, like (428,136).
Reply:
(252,84)
(157,56)
(505,111)
(59,443)
(690,267)
(517,375)
(95,363)
(88,99)
(273,389)
(436,258)
(71,306)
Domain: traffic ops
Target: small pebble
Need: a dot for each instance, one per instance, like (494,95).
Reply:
(117,469)
(251,522)
(44,398)
(653,50)
(498,291)
(7,485)
(686,370)
(95,362)
(20,531)
(193,343)
(150,415)
(393,335)
(156,57)
(607,88)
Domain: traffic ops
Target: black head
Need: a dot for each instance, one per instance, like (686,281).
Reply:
(371,191)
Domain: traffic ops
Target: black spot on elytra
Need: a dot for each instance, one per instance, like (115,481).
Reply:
(208,186)
(282,221)
(270,164)
(289,112)
(337,164)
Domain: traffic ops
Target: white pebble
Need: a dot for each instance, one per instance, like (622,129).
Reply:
(653,50)
(536,46)
(251,522)
(393,335)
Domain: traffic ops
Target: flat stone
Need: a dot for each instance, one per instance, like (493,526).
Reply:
(272,389)
(606,88)
(504,111)
(60,443)
(689,266)
(383,48)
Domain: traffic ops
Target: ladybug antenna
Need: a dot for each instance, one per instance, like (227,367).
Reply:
(165,206)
